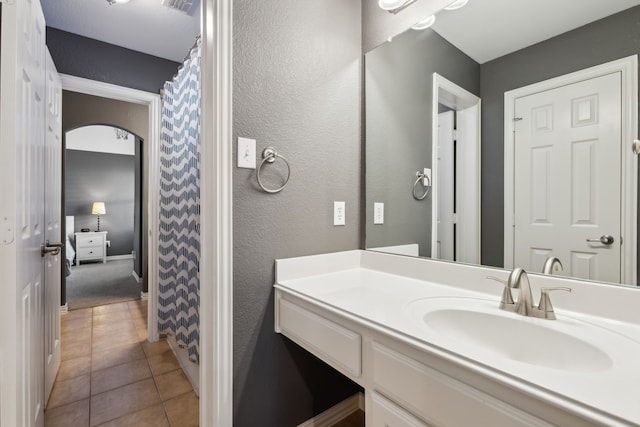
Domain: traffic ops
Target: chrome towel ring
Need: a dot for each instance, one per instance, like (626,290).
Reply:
(420,176)
(269,155)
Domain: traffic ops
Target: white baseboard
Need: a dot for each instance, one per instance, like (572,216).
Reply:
(336,413)
(117,257)
(144,295)
(190,369)
(64,309)
(136,277)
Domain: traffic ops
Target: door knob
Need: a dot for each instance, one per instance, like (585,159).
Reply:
(605,239)
(50,247)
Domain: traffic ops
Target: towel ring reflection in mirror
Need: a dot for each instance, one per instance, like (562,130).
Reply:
(269,155)
(420,177)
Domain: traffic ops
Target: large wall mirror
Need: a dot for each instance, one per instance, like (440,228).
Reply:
(502,135)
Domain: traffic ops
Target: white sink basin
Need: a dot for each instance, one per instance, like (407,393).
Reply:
(478,327)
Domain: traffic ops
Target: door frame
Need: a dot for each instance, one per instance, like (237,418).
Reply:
(628,67)
(457,98)
(216,219)
(152,101)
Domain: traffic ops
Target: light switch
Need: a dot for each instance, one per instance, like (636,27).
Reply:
(378,213)
(427,177)
(246,153)
(339,213)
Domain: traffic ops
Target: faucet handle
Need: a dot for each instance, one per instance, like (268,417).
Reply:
(507,297)
(545,302)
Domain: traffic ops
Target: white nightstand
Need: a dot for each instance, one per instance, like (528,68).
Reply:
(91,245)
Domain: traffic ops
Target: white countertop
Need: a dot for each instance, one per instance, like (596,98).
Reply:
(382,290)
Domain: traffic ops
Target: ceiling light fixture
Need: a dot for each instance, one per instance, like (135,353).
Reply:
(394,6)
(456,5)
(112,2)
(425,23)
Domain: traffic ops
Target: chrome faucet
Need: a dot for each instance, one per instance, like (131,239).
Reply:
(518,279)
(552,264)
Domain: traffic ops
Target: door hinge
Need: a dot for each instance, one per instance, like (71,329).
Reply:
(455,218)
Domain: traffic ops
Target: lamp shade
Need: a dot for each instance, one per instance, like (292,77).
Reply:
(98,208)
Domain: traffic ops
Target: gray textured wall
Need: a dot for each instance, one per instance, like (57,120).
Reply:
(297,86)
(399,89)
(606,40)
(105,177)
(104,62)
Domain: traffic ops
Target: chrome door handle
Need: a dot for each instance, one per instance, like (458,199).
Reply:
(52,248)
(604,239)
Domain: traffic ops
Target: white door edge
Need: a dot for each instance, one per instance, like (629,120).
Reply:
(453,96)
(628,67)
(216,220)
(152,101)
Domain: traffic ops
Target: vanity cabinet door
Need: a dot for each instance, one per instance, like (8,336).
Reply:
(388,414)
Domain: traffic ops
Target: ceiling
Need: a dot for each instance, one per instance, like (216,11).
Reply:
(489,29)
(142,25)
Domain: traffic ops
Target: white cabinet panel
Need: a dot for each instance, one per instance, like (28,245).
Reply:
(387,414)
(438,398)
(336,345)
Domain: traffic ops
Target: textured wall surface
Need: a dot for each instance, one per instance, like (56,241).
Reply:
(399,89)
(102,177)
(104,62)
(297,77)
(378,25)
(606,40)
(82,110)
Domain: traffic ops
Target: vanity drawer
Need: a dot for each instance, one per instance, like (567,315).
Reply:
(336,345)
(88,241)
(440,399)
(90,252)
(388,414)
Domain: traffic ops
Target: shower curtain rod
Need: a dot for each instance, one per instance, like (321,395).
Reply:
(195,44)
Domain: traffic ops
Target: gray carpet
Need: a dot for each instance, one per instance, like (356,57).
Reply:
(94,284)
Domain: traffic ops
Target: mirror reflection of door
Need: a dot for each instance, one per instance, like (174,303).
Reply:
(456,206)
(567,185)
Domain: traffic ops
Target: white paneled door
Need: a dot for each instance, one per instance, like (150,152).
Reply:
(567,178)
(446,187)
(53,224)
(23,225)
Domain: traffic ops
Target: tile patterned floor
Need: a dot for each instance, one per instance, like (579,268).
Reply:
(111,376)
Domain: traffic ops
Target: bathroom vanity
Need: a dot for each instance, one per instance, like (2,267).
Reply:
(430,346)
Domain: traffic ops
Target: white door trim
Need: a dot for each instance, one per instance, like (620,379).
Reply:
(216,219)
(628,67)
(152,101)
(457,98)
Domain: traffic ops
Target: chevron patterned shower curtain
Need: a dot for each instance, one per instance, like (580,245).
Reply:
(179,296)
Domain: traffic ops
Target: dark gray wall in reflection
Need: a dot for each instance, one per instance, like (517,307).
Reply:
(398,81)
(608,39)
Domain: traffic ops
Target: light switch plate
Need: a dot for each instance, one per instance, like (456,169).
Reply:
(378,213)
(246,153)
(339,213)
(427,177)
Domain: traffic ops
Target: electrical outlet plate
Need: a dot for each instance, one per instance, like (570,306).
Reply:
(246,153)
(378,213)
(339,213)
